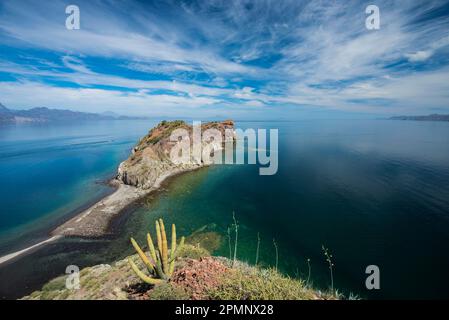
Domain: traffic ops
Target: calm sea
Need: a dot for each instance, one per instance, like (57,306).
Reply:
(375,192)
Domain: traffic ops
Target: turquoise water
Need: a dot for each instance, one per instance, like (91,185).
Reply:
(49,170)
(372,191)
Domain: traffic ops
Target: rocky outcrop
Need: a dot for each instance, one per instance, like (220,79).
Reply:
(150,158)
(143,172)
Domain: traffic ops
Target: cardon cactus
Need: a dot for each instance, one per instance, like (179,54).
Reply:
(161,262)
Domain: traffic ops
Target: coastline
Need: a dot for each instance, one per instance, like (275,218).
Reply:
(94,222)
(142,173)
(13,255)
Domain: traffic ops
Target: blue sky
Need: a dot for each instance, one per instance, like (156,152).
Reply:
(256,59)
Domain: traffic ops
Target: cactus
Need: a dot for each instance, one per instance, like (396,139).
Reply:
(161,261)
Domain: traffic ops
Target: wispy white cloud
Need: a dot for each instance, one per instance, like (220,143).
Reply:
(224,53)
(423,55)
(419,55)
(105,33)
(92,100)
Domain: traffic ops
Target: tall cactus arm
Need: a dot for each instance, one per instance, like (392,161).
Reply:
(165,266)
(143,276)
(151,247)
(172,250)
(159,237)
(173,240)
(181,243)
(159,269)
(155,256)
(142,256)
(178,248)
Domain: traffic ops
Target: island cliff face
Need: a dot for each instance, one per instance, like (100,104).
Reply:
(143,172)
(150,159)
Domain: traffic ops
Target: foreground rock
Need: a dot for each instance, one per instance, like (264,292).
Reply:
(142,173)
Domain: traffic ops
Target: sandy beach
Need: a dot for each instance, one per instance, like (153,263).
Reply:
(142,173)
(28,249)
(94,221)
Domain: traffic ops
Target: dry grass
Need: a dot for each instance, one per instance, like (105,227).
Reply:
(251,283)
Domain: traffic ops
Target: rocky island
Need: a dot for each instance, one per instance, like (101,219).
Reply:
(142,173)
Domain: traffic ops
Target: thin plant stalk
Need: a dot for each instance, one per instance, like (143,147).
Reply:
(331,265)
(236,226)
(277,254)
(229,243)
(310,271)
(258,247)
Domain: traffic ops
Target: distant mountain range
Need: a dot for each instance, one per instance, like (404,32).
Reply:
(54,115)
(431,117)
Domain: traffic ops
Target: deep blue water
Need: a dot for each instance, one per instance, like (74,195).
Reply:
(49,170)
(372,191)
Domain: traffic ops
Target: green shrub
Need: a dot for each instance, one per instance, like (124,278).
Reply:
(260,284)
(210,241)
(55,284)
(193,252)
(168,291)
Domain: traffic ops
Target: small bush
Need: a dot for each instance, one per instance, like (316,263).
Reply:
(168,291)
(260,284)
(55,284)
(193,252)
(211,241)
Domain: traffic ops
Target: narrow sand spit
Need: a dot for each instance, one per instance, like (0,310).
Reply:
(20,252)
(94,222)
(149,159)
